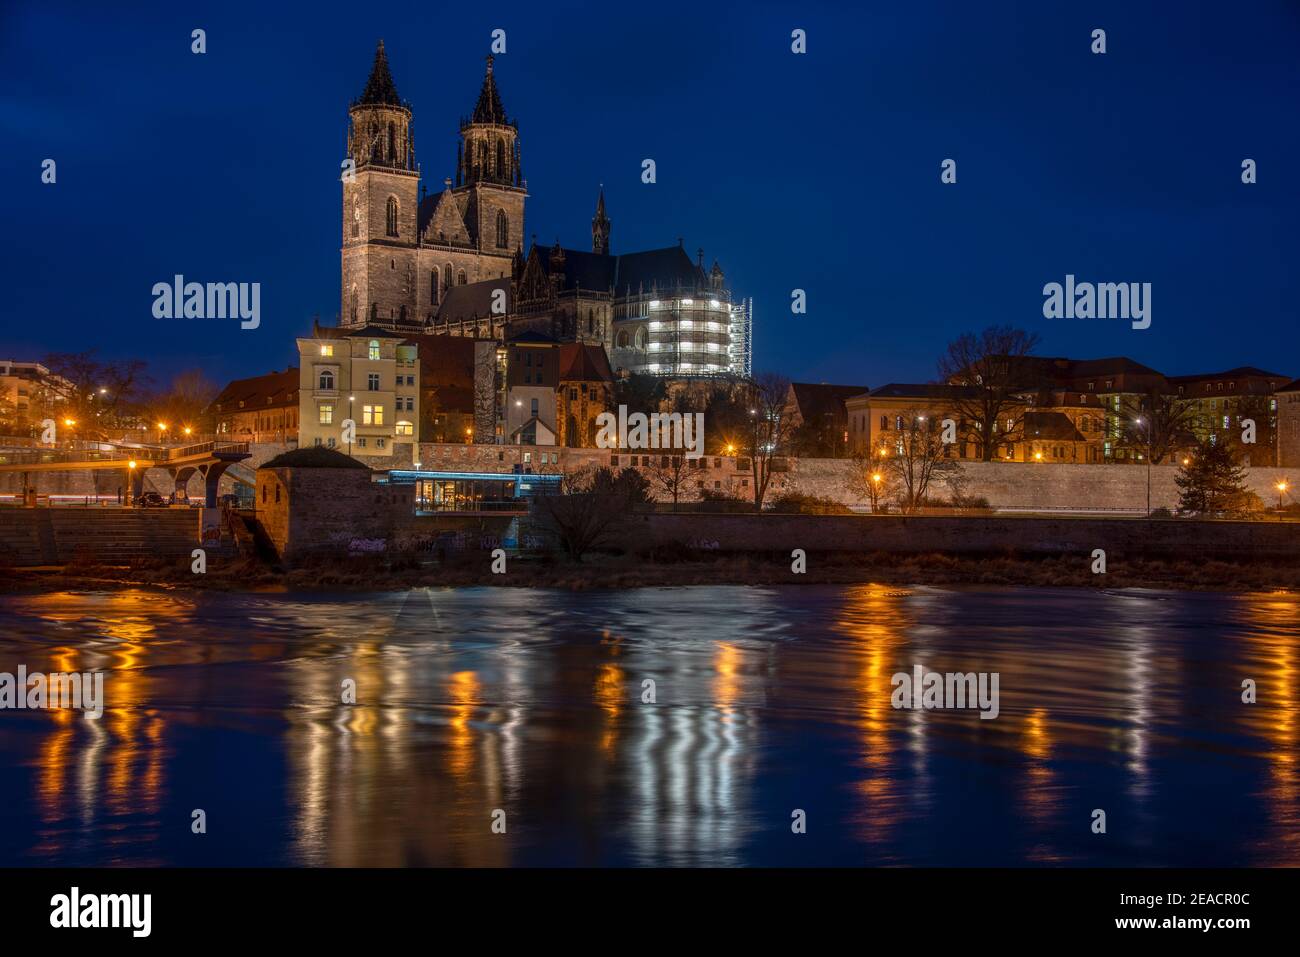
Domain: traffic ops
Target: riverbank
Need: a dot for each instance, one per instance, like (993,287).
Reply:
(374,573)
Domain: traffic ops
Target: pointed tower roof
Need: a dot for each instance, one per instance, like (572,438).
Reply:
(380,88)
(600,203)
(489,108)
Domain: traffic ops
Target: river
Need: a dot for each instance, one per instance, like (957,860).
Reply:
(482,710)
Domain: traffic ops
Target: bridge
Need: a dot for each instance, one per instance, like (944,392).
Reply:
(207,459)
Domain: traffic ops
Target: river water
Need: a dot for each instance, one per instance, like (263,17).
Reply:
(524,709)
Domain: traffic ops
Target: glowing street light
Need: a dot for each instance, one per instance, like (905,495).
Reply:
(69,422)
(1281,491)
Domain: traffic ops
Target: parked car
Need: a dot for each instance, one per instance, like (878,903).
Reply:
(150,500)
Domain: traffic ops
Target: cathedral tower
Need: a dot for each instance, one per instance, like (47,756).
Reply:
(489,174)
(380,206)
(600,227)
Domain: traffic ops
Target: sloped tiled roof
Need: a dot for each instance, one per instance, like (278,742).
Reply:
(815,400)
(665,269)
(1054,426)
(358,332)
(921,390)
(580,362)
(473,300)
(1241,372)
(268,391)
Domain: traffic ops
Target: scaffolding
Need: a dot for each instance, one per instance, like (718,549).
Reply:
(741,347)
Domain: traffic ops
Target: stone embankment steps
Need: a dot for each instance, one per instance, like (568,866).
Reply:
(57,535)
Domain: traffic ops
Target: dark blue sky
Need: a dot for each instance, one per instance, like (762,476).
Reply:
(818,171)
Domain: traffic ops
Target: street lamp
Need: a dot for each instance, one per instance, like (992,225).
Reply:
(1147,431)
(1281,491)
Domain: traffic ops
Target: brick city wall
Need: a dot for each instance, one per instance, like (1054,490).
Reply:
(1004,484)
(1031,485)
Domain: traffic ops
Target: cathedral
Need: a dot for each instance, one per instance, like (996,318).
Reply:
(453,262)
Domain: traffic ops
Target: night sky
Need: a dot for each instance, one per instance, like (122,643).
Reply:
(818,171)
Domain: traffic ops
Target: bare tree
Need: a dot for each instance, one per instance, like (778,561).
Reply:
(590,507)
(184,402)
(769,431)
(918,460)
(870,479)
(1157,424)
(994,370)
(671,477)
(96,395)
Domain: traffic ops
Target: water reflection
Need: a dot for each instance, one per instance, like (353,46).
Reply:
(658,727)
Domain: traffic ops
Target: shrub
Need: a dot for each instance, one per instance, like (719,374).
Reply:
(800,504)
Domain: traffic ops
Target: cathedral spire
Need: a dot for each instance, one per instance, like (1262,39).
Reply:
(489,108)
(600,225)
(380,88)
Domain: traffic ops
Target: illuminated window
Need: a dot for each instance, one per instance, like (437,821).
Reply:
(372,415)
(405,428)
(327,349)
(373,352)
(326,413)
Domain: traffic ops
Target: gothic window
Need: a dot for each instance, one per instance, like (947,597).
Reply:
(640,338)
(501,158)
(392,147)
(402,315)
(446,276)
(374,311)
(482,156)
(460,278)
(622,339)
(392,215)
(503,229)
(354,302)
(433,286)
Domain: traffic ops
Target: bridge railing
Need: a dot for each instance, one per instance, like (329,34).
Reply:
(58,456)
(225,448)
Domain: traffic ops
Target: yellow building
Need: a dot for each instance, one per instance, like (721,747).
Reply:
(370,376)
